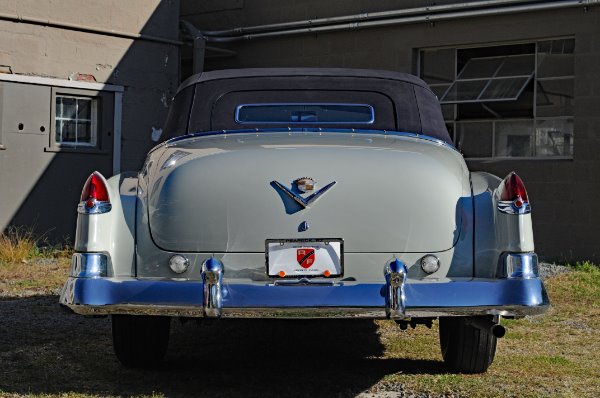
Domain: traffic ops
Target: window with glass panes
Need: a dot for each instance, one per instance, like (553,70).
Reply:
(76,121)
(513,100)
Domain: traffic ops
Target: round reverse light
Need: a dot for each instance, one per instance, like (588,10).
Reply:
(430,263)
(179,264)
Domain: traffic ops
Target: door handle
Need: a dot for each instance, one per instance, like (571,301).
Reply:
(2,147)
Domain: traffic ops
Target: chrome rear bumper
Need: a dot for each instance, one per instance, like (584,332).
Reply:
(103,296)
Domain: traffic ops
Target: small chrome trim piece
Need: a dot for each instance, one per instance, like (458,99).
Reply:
(212,277)
(304,202)
(89,265)
(98,208)
(303,281)
(395,278)
(304,226)
(509,207)
(518,265)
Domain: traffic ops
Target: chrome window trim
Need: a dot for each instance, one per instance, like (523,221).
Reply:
(239,107)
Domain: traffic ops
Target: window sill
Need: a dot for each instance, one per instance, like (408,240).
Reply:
(515,158)
(90,151)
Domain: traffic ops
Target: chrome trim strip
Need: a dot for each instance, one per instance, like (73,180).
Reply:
(518,265)
(98,208)
(395,279)
(212,276)
(89,265)
(514,297)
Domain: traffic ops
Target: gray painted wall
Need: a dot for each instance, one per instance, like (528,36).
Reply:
(566,214)
(148,71)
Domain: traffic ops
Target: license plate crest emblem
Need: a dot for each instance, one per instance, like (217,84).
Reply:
(305,257)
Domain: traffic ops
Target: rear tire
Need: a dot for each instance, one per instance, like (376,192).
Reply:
(140,341)
(465,348)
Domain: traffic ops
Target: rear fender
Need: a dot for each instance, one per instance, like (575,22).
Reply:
(113,232)
(496,232)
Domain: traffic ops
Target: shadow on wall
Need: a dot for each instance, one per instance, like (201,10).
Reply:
(45,350)
(40,189)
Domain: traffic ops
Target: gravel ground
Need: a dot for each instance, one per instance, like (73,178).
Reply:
(46,350)
(548,270)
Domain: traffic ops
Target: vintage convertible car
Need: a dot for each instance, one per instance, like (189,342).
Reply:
(311,193)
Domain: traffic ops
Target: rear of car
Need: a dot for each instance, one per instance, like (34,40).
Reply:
(306,193)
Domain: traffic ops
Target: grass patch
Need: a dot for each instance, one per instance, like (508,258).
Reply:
(20,245)
(36,277)
(556,354)
(27,267)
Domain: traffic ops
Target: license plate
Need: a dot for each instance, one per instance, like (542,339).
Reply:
(304,258)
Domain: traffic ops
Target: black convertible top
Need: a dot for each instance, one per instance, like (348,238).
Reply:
(208,101)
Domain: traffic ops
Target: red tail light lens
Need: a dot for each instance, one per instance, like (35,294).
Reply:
(514,190)
(95,189)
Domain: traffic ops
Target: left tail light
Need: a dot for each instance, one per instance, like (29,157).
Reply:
(513,196)
(94,196)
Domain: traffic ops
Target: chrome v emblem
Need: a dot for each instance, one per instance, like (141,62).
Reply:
(304,202)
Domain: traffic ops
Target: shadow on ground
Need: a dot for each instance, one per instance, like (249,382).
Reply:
(44,349)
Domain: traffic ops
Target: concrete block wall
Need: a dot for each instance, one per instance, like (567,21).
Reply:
(566,212)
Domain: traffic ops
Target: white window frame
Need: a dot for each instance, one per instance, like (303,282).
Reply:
(93,122)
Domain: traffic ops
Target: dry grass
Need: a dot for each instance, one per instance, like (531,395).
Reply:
(26,268)
(17,245)
(20,245)
(41,276)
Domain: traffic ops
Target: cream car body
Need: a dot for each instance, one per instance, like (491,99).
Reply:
(421,236)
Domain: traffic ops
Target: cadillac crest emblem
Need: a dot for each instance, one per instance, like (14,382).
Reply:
(305,184)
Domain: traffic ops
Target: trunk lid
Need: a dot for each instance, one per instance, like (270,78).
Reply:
(391,194)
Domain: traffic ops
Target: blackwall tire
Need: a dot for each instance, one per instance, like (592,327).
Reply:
(465,348)
(140,341)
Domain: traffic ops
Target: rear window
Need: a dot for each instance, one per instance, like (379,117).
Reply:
(299,113)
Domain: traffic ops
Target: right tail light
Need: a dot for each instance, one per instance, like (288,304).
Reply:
(513,196)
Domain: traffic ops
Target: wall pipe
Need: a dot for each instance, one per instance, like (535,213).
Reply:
(367,16)
(87,29)
(426,18)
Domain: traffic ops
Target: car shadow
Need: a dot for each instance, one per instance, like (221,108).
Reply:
(45,349)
